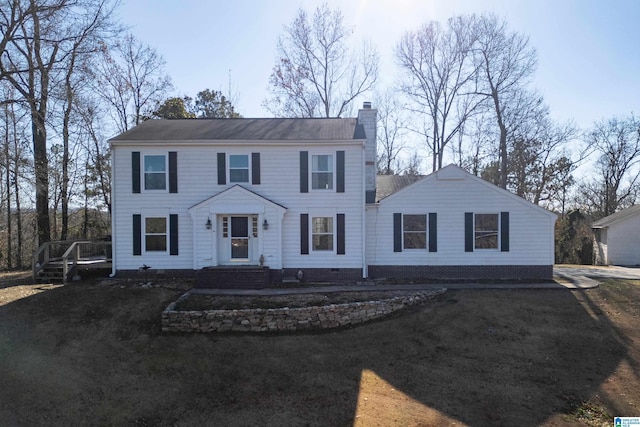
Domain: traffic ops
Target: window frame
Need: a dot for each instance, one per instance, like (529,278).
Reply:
(248,168)
(424,232)
(487,232)
(146,234)
(332,171)
(331,233)
(165,172)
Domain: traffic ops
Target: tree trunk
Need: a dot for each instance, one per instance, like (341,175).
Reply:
(8,185)
(41,168)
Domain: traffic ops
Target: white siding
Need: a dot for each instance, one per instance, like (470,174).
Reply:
(197,181)
(623,242)
(530,228)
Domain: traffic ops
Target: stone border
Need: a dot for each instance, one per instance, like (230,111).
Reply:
(287,319)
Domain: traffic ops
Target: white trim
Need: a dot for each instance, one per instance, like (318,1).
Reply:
(235,143)
(498,247)
(144,233)
(333,171)
(143,172)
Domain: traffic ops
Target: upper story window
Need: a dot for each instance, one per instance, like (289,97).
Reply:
(486,231)
(414,230)
(238,168)
(322,172)
(155,172)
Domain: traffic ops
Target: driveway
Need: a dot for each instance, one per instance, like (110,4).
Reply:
(598,272)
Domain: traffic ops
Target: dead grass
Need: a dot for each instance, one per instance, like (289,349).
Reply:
(90,354)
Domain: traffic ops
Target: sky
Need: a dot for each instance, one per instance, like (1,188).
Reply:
(588,50)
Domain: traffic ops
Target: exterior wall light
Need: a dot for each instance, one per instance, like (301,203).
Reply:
(208,224)
(265,225)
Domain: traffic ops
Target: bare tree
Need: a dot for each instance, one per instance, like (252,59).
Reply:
(505,63)
(32,61)
(132,80)
(316,75)
(27,63)
(617,142)
(439,73)
(392,129)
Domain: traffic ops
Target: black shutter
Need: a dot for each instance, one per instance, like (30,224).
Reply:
(340,234)
(340,172)
(504,231)
(173,172)
(304,171)
(135,171)
(304,234)
(222,169)
(173,234)
(255,168)
(397,232)
(468,232)
(433,232)
(137,234)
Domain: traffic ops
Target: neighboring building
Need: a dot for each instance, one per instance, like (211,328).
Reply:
(617,238)
(299,195)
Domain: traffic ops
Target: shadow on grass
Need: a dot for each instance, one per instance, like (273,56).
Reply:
(92,354)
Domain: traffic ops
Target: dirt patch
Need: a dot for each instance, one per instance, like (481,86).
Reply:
(195,302)
(91,353)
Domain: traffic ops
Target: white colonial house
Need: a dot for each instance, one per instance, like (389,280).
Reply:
(218,198)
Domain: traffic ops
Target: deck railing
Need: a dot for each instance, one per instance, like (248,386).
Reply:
(69,253)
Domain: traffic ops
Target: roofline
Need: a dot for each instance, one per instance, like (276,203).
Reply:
(234,187)
(208,142)
(487,184)
(608,223)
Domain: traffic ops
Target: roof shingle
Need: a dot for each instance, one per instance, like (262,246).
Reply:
(244,130)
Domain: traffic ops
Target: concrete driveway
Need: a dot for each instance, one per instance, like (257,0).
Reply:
(587,276)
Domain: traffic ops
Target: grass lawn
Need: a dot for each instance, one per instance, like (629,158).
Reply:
(89,354)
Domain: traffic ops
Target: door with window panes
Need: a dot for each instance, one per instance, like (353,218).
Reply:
(239,239)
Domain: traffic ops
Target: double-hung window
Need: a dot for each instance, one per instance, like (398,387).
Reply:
(155,172)
(322,172)
(239,168)
(486,229)
(322,233)
(414,230)
(155,234)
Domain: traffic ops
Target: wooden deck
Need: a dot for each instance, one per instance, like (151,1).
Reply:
(61,260)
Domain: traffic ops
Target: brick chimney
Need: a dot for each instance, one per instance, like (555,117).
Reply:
(367,118)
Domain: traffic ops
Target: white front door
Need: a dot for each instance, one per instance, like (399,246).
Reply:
(238,242)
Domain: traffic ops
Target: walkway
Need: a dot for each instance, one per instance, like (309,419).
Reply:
(565,277)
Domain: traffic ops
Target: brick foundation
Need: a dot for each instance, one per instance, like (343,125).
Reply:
(324,274)
(462,272)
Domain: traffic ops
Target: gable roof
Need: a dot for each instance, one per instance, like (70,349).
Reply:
(618,216)
(454,172)
(315,129)
(386,185)
(237,188)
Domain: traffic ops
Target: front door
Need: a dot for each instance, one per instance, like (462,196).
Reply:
(240,238)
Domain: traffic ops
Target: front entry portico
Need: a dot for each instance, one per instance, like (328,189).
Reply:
(237,227)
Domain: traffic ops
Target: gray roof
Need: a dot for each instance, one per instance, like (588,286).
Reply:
(620,215)
(386,185)
(244,130)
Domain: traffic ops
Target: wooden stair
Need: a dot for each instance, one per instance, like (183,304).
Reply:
(233,277)
(51,273)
